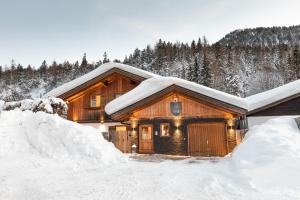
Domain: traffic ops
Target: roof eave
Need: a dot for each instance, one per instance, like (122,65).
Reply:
(126,112)
(98,78)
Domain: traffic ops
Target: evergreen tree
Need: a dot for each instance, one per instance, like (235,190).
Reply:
(76,69)
(206,77)
(289,72)
(193,47)
(183,73)
(116,61)
(160,48)
(84,62)
(194,71)
(12,71)
(296,62)
(43,70)
(231,80)
(105,58)
(199,45)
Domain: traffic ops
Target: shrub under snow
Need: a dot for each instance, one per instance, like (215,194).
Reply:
(49,105)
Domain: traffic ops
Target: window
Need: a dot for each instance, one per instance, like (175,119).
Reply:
(146,132)
(164,129)
(95,101)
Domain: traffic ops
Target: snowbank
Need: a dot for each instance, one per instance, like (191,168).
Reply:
(50,136)
(270,154)
(264,167)
(49,105)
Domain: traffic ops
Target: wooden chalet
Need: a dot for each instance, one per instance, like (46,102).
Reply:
(173,116)
(87,95)
(146,113)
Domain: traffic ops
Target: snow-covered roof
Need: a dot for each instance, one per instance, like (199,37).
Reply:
(156,84)
(97,72)
(271,96)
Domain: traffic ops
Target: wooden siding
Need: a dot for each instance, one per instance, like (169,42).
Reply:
(121,138)
(108,89)
(146,139)
(190,108)
(290,107)
(207,139)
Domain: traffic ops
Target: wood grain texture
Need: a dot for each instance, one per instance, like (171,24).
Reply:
(79,104)
(190,108)
(207,139)
(146,138)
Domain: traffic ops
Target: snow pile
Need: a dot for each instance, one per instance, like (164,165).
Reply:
(49,105)
(265,166)
(270,154)
(50,136)
(156,84)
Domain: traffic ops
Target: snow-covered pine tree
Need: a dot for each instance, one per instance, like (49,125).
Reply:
(43,71)
(193,73)
(232,80)
(296,62)
(205,73)
(105,58)
(183,73)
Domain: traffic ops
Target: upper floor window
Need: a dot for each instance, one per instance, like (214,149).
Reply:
(95,101)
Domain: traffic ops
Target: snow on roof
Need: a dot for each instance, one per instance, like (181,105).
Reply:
(156,84)
(96,72)
(271,96)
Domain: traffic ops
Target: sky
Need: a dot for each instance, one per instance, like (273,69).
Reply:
(35,30)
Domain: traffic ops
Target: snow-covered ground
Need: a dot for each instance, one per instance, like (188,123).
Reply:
(45,157)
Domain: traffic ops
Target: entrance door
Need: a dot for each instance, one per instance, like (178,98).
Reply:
(145,139)
(121,139)
(207,139)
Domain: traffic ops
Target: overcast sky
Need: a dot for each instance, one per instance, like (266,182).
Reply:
(34,30)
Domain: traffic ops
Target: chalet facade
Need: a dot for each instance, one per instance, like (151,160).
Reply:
(87,95)
(178,117)
(146,113)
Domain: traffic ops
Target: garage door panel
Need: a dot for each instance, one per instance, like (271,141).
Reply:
(207,139)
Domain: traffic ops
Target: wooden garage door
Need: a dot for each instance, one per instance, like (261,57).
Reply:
(207,139)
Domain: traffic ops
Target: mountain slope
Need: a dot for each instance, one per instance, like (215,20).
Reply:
(260,36)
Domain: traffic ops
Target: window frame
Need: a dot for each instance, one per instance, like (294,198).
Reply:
(161,129)
(92,100)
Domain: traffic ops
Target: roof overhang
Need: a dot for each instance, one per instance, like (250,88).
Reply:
(265,107)
(126,112)
(98,79)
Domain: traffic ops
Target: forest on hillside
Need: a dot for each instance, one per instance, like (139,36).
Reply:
(243,63)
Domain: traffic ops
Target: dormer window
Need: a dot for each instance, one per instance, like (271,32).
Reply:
(95,101)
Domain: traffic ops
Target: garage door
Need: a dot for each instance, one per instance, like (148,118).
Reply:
(207,139)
